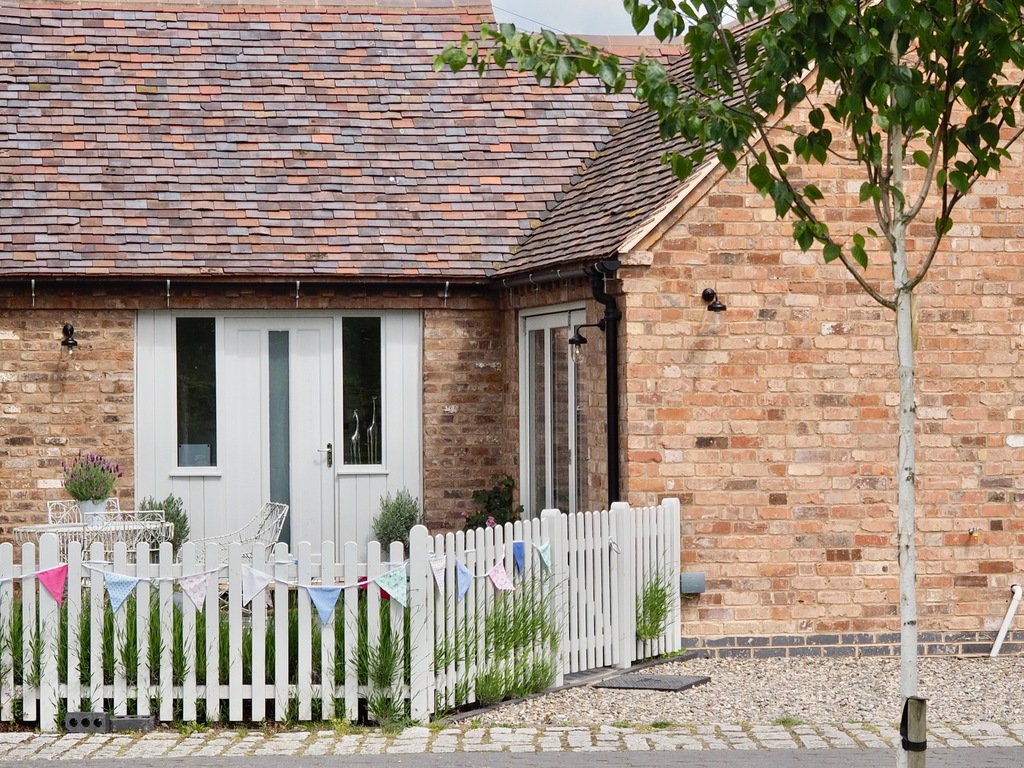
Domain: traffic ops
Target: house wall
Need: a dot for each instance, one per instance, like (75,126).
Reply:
(50,406)
(775,423)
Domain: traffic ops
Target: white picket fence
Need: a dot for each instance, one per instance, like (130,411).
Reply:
(582,576)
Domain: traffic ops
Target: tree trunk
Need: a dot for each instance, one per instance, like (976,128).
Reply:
(905,477)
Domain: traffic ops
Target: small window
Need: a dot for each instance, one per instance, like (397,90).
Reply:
(361,396)
(197,391)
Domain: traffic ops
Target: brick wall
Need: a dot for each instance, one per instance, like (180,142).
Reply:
(53,405)
(775,422)
(463,374)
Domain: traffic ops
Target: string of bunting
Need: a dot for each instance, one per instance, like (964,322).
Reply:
(394,583)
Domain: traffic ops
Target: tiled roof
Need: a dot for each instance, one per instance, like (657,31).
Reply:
(272,142)
(626,187)
(618,192)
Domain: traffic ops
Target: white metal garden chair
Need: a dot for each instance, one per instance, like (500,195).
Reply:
(67,511)
(265,527)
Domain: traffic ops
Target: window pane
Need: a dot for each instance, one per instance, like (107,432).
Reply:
(361,395)
(560,418)
(280,438)
(197,392)
(537,414)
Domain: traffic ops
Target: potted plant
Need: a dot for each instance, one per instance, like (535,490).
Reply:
(89,479)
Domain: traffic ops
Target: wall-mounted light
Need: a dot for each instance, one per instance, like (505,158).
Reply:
(710,297)
(69,338)
(577,340)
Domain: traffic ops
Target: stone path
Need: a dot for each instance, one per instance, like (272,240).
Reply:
(19,747)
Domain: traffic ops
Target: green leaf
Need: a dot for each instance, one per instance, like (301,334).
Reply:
(831,252)
(682,165)
(859,254)
(868,191)
(816,119)
(922,158)
(565,70)
(760,177)
(803,235)
(960,182)
(812,193)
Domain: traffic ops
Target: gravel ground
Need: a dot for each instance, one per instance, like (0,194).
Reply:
(789,691)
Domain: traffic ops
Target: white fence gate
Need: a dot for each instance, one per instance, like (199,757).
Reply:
(469,617)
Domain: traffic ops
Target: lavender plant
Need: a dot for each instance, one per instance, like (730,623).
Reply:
(90,477)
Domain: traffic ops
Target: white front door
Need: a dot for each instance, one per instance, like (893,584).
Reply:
(279,411)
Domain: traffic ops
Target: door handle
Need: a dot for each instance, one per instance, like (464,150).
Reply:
(329,450)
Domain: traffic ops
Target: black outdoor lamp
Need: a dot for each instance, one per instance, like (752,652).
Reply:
(577,340)
(69,338)
(710,297)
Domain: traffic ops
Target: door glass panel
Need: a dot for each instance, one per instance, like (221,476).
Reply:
(195,342)
(537,419)
(361,394)
(279,438)
(559,422)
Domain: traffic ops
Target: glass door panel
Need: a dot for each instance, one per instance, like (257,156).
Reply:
(549,420)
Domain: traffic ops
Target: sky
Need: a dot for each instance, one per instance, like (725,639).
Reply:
(582,17)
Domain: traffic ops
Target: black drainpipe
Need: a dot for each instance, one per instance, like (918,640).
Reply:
(597,274)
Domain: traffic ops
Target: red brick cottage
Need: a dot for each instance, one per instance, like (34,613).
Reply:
(277,228)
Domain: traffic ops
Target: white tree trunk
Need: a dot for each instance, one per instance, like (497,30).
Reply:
(906,469)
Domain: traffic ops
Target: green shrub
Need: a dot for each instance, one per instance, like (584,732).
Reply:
(495,505)
(397,517)
(174,512)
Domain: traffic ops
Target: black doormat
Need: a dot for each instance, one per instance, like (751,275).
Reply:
(653,682)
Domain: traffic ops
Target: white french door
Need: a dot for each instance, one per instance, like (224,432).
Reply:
(279,401)
(552,434)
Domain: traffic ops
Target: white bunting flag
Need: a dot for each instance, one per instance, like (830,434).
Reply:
(253,582)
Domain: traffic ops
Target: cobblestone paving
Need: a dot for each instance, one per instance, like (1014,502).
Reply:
(19,746)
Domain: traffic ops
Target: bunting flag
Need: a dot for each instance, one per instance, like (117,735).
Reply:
(519,554)
(253,582)
(119,587)
(437,563)
(54,581)
(499,577)
(195,587)
(463,578)
(544,550)
(396,584)
(324,598)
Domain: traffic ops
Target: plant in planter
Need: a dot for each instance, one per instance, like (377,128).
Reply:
(397,517)
(89,479)
(494,505)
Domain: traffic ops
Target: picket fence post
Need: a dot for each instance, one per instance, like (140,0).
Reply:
(421,636)
(552,533)
(624,618)
(49,629)
(674,524)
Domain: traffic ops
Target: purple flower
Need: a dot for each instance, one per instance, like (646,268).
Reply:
(491,522)
(90,477)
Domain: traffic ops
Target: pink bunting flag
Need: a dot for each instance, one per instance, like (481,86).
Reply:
(499,577)
(195,587)
(54,580)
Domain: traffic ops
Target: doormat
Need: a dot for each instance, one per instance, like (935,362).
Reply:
(653,682)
